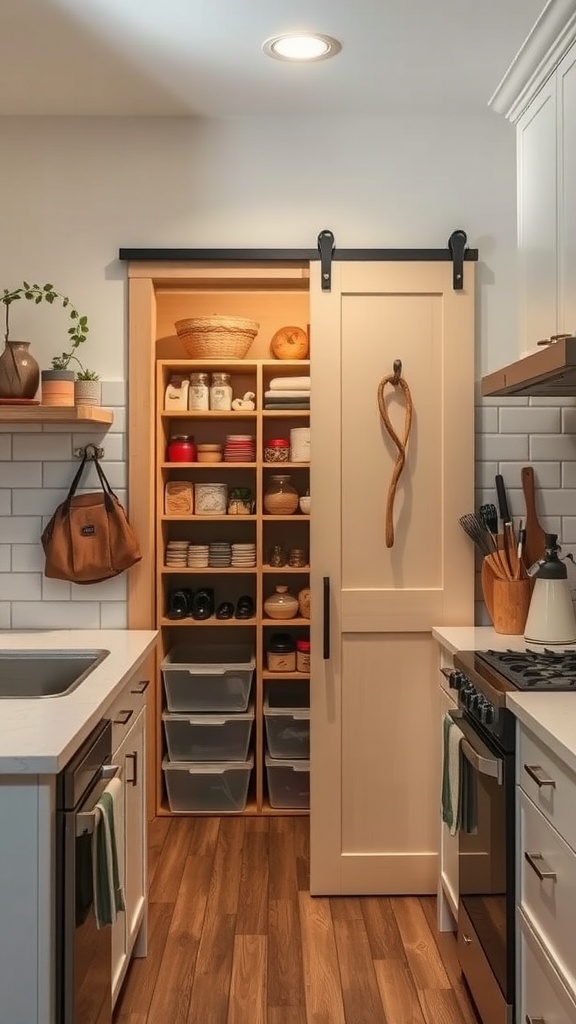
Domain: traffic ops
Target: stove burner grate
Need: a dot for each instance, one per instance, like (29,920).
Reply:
(534,670)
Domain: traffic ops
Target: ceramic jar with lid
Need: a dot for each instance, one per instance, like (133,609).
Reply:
(277,450)
(281,653)
(280,497)
(181,448)
(300,444)
(281,604)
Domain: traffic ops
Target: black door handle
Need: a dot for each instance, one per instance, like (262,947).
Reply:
(326,640)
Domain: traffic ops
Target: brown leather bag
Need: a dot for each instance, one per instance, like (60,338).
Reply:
(89,538)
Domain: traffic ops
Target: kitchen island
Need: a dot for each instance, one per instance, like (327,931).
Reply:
(38,736)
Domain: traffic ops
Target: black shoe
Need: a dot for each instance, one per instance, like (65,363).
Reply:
(225,610)
(245,607)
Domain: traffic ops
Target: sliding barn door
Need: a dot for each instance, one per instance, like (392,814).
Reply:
(375,757)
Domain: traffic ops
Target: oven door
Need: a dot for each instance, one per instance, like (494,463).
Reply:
(486,876)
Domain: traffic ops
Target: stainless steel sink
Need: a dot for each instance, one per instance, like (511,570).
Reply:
(45,673)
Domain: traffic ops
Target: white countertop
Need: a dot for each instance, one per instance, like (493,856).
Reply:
(39,735)
(550,716)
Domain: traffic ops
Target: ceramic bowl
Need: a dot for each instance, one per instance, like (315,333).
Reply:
(305,504)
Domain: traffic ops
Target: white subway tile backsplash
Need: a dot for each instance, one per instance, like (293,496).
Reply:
(20,529)
(552,446)
(569,529)
(113,393)
(5,615)
(5,557)
(546,474)
(41,501)
(55,615)
(119,424)
(550,401)
(5,447)
(569,420)
(45,447)
(113,615)
(568,474)
(21,474)
(485,473)
(109,590)
(55,590)
(23,428)
(558,502)
(486,419)
(530,421)
(22,586)
(502,446)
(27,558)
(5,502)
(113,445)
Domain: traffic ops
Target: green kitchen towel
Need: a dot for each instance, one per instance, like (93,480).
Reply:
(452,737)
(467,807)
(106,885)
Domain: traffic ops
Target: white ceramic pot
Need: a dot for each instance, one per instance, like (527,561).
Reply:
(300,444)
(87,392)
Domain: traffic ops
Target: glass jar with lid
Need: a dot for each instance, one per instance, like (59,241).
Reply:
(181,448)
(280,497)
(199,392)
(221,392)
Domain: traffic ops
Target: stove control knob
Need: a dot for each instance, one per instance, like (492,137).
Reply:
(466,694)
(475,699)
(456,679)
(487,714)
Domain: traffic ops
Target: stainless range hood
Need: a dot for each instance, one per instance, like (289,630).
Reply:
(551,372)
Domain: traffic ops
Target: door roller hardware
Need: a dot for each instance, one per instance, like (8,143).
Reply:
(326,249)
(457,247)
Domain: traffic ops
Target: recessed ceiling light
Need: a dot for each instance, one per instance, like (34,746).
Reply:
(301,47)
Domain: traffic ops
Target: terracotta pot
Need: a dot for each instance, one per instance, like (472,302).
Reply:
(19,371)
(87,392)
(58,387)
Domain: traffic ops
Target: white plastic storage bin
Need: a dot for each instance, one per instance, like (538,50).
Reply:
(287,731)
(208,677)
(288,783)
(208,737)
(211,787)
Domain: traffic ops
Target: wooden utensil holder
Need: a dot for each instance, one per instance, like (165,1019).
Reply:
(510,603)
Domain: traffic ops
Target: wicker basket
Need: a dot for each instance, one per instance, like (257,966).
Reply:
(216,337)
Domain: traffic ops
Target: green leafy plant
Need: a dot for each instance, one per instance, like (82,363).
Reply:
(83,374)
(47,293)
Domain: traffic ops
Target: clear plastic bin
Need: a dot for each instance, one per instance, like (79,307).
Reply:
(211,787)
(288,783)
(208,737)
(208,677)
(287,731)
(288,693)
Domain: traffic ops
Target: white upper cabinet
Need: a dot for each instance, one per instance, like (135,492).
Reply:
(538,94)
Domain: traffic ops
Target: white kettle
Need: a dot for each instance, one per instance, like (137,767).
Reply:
(551,618)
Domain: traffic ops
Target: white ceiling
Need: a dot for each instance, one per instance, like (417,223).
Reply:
(203,57)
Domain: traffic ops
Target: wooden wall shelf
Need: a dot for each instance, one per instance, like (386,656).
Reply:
(82,414)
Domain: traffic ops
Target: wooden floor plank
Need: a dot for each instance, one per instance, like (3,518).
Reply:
(324,1003)
(448,949)
(171,998)
(131,1018)
(203,836)
(247,1001)
(283,881)
(158,830)
(211,985)
(440,1006)
(362,1003)
(166,883)
(227,865)
(382,928)
(421,950)
(286,1015)
(397,992)
(285,966)
(136,993)
(253,896)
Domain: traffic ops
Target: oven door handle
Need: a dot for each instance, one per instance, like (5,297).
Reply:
(476,752)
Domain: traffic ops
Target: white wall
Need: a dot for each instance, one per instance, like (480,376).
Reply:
(76,189)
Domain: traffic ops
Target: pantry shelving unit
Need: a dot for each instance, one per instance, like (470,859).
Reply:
(160,294)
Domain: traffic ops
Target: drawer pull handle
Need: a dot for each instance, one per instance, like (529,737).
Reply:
(123,717)
(142,687)
(134,758)
(467,939)
(535,860)
(537,773)
(534,1020)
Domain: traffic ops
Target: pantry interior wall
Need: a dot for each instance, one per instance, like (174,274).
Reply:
(76,189)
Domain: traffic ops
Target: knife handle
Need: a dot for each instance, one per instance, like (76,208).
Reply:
(502,500)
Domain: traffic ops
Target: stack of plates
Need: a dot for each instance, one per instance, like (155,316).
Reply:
(176,554)
(240,448)
(243,556)
(198,555)
(219,555)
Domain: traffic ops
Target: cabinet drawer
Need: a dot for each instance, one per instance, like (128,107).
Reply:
(549,784)
(124,711)
(547,886)
(542,996)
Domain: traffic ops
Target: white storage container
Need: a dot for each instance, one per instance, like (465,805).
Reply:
(288,783)
(208,677)
(287,731)
(208,737)
(211,787)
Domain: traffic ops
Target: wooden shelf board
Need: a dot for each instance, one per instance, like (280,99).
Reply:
(285,675)
(298,621)
(284,811)
(286,568)
(207,414)
(212,621)
(214,519)
(209,570)
(209,465)
(84,414)
(279,466)
(295,518)
(164,812)
(284,414)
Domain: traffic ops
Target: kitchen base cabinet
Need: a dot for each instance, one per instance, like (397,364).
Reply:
(542,995)
(448,873)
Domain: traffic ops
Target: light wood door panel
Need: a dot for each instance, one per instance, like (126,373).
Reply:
(375,745)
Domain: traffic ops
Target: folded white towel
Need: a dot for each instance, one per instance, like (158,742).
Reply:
(287,394)
(106,884)
(293,383)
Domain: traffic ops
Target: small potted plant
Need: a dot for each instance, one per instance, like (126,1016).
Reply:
(87,387)
(19,371)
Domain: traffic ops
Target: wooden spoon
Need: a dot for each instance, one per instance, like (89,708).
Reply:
(535,543)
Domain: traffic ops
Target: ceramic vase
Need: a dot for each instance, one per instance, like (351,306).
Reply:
(281,604)
(19,371)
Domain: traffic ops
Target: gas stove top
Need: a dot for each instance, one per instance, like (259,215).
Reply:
(534,670)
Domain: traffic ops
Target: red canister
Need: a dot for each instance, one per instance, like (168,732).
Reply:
(181,448)
(277,450)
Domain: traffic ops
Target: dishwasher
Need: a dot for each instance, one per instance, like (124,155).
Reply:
(83,951)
